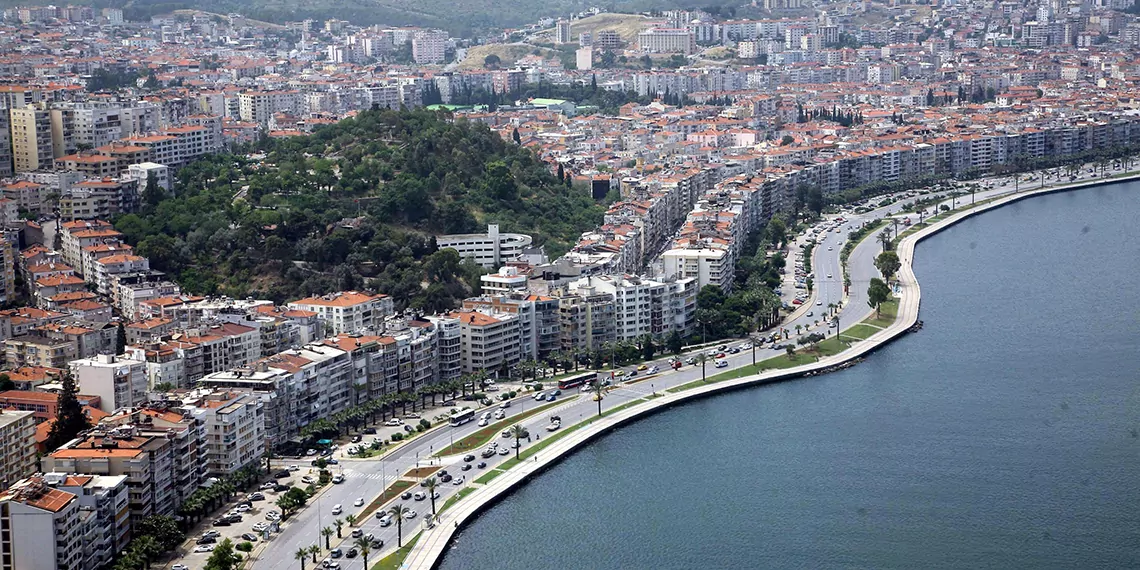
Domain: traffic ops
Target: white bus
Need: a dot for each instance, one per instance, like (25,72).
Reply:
(461,417)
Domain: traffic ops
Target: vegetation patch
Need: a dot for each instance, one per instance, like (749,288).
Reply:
(860,332)
(421,472)
(484,435)
(390,493)
(456,498)
(887,312)
(396,559)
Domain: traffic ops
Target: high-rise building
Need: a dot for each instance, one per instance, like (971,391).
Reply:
(584,58)
(562,32)
(119,382)
(665,40)
(5,145)
(18,439)
(32,147)
(40,528)
(429,46)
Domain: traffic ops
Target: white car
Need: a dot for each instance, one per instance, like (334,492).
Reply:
(386,520)
(500,415)
(540,396)
(180,567)
(359,502)
(505,404)
(419,496)
(721,363)
(337,510)
(652,370)
(308,479)
(204,548)
(260,527)
(243,508)
(819,302)
(272,516)
(293,468)
(410,514)
(393,422)
(338,478)
(829,276)
(482,422)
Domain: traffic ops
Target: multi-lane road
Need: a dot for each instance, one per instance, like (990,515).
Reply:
(366,478)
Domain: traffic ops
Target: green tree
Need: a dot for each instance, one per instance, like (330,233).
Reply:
(6,382)
(888,264)
(364,547)
(163,529)
(152,192)
(492,61)
(339,524)
(648,349)
(675,343)
(301,554)
(431,484)
(121,339)
(70,419)
(224,557)
(398,512)
(314,550)
(878,292)
(327,533)
(515,136)
(518,432)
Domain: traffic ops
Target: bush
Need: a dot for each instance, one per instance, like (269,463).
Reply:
(245,546)
(425,424)
(512,394)
(397,437)
(420,428)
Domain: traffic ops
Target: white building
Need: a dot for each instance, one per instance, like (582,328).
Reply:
(142,172)
(562,32)
(42,529)
(666,40)
(429,46)
(104,510)
(505,281)
(584,58)
(488,250)
(348,311)
(235,430)
(487,341)
(259,106)
(644,306)
(119,382)
(18,438)
(709,266)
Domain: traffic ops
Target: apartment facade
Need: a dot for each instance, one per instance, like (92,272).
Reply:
(348,311)
(18,438)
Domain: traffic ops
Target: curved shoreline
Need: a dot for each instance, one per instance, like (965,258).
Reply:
(432,543)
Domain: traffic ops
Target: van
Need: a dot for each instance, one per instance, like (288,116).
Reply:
(419,496)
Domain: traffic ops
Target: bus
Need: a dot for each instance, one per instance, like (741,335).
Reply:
(575,381)
(461,417)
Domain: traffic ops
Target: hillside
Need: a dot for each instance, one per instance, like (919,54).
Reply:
(458,16)
(626,25)
(508,54)
(354,205)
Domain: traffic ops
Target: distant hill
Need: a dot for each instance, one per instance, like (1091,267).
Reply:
(457,16)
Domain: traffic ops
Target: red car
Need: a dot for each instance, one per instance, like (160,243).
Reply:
(797,302)
(721,355)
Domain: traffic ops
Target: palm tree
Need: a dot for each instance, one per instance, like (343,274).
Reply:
(350,519)
(398,511)
(430,484)
(702,358)
(338,524)
(364,547)
(599,392)
(327,532)
(301,554)
(518,432)
(314,550)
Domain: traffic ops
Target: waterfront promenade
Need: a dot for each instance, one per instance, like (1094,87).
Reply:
(433,543)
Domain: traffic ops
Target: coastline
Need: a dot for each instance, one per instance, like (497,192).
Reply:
(433,543)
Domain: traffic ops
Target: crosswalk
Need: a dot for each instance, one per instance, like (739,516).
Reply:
(373,476)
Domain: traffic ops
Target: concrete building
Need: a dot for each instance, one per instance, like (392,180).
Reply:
(104,514)
(665,40)
(142,172)
(32,146)
(18,440)
(119,382)
(587,321)
(489,342)
(584,58)
(43,528)
(260,106)
(235,430)
(348,311)
(507,280)
(562,33)
(429,46)
(709,266)
(490,250)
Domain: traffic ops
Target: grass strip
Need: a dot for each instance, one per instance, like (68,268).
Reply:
(455,498)
(481,437)
(887,313)
(396,559)
(390,493)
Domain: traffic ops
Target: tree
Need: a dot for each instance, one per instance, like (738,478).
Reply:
(599,393)
(888,264)
(364,547)
(339,524)
(877,293)
(561,171)
(515,136)
(350,519)
(648,349)
(223,557)
(675,343)
(431,483)
(70,419)
(314,550)
(302,554)
(885,238)
(492,61)
(163,529)
(6,383)
(397,512)
(152,193)
(702,358)
(121,339)
(327,532)
(518,432)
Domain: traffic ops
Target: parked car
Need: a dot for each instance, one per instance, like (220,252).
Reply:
(370,431)
(281,474)
(249,536)
(204,548)
(256,496)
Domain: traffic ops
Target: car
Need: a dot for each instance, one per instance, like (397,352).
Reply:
(550,397)
(280,488)
(308,479)
(310,452)
(293,468)
(469,458)
(357,533)
(267,486)
(829,276)
(539,396)
(829,248)
(483,422)
(466,467)
(393,422)
(281,474)
(720,355)
(619,373)
(482,465)
(734,350)
(351,553)
(690,361)
(643,367)
(406,495)
(553,426)
(204,548)
(180,567)
(330,565)
(419,496)
(632,374)
(355,439)
(500,415)
(721,363)
(249,536)
(222,522)
(359,502)
(445,477)
(260,527)
(412,416)
(811,313)
(337,509)
(336,553)
(243,508)
(376,544)
(653,369)
(385,520)
(408,429)
(506,433)
(206,540)
(256,496)
(505,404)
(797,302)
(370,431)
(557,392)
(819,303)
(273,516)
(504,451)
(410,514)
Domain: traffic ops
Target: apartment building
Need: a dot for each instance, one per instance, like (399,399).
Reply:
(32,146)
(38,350)
(107,267)
(538,326)
(666,40)
(488,342)
(104,514)
(507,280)
(177,479)
(78,234)
(429,46)
(259,106)
(587,320)
(348,311)
(18,441)
(5,145)
(224,345)
(644,307)
(707,265)
(43,528)
(119,382)
(235,429)
(449,348)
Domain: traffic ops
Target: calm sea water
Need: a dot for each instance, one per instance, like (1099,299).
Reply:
(1006,434)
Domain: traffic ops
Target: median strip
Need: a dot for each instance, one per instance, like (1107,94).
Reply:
(484,435)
